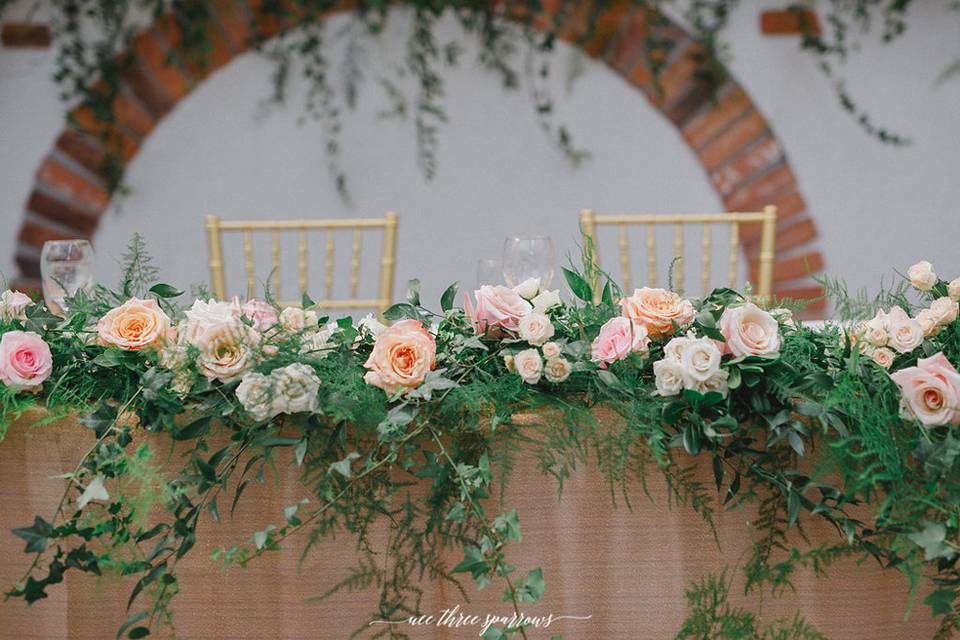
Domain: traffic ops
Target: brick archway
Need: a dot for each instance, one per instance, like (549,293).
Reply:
(733,141)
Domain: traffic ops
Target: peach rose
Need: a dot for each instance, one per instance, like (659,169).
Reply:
(13,305)
(658,310)
(618,338)
(905,335)
(529,365)
(883,357)
(551,350)
(227,350)
(922,275)
(25,359)
(749,331)
(928,323)
(944,311)
(497,306)
(402,355)
(557,370)
(930,391)
(136,324)
(262,314)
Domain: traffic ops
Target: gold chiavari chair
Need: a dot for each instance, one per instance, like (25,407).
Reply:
(589,221)
(216,227)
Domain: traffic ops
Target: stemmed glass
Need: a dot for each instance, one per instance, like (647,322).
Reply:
(527,257)
(66,267)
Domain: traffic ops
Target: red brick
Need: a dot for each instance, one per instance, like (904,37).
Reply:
(235,20)
(147,48)
(30,286)
(111,136)
(758,158)
(642,77)
(219,54)
(133,117)
(34,35)
(762,191)
(146,88)
(792,268)
(34,234)
(270,24)
(740,134)
(789,236)
(699,130)
(608,24)
(68,182)
(631,43)
(789,22)
(85,150)
(65,213)
(679,77)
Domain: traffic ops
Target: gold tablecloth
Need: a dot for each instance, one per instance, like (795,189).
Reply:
(627,570)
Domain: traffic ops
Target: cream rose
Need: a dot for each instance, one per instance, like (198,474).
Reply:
(749,331)
(668,376)
(255,393)
(883,357)
(528,289)
(658,310)
(928,323)
(13,305)
(497,306)
(227,350)
(401,357)
(953,289)
(700,360)
(557,369)
(371,325)
(546,300)
(295,319)
(922,275)
(931,391)
(717,382)
(905,335)
(529,365)
(295,389)
(204,314)
(944,311)
(535,328)
(551,350)
(136,324)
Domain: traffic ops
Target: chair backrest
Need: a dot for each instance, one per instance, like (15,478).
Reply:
(216,227)
(767,219)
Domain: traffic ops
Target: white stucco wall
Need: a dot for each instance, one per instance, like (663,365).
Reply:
(876,207)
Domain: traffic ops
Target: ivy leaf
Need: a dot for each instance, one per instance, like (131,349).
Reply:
(35,535)
(509,524)
(129,622)
(343,466)
(532,588)
(941,601)
(165,291)
(39,318)
(413,292)
(193,430)
(401,310)
(578,286)
(473,562)
(446,300)
(100,420)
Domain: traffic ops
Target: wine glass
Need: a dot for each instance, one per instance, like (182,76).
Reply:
(66,267)
(489,271)
(527,257)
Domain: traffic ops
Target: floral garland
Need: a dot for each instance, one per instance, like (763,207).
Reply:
(431,396)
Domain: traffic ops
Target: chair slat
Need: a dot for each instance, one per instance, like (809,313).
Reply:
(355,263)
(651,256)
(678,256)
(302,260)
(275,246)
(734,250)
(328,276)
(248,261)
(705,271)
(624,256)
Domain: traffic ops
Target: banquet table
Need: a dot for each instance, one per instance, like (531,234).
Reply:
(625,568)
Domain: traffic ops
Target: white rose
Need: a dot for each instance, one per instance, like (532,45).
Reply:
(13,305)
(700,360)
(906,335)
(674,349)
(749,331)
(953,289)
(875,335)
(668,376)
(528,289)
(883,357)
(529,365)
(717,382)
(296,387)
(547,300)
(226,350)
(535,328)
(558,369)
(255,393)
(922,275)
(203,315)
(370,323)
(944,311)
(295,319)
(551,350)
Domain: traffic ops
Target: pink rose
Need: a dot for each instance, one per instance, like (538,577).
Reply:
(497,306)
(136,324)
(402,355)
(930,391)
(658,310)
(262,314)
(619,337)
(25,359)
(749,331)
